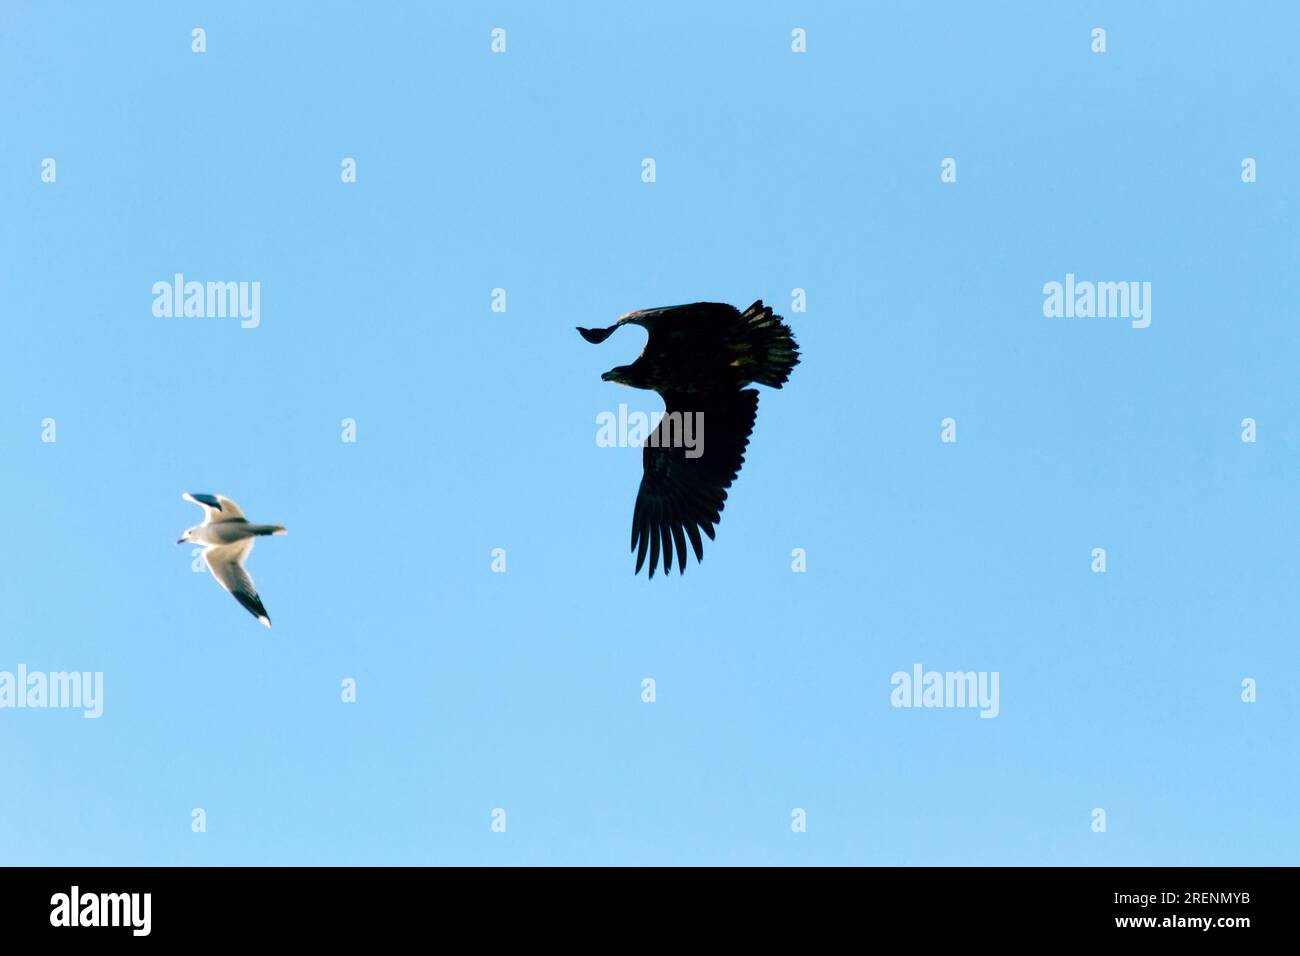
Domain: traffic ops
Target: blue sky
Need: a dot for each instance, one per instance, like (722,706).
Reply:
(476,430)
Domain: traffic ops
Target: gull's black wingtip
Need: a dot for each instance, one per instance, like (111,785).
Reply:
(209,500)
(594,336)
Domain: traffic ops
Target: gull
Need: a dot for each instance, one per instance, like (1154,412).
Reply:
(227,539)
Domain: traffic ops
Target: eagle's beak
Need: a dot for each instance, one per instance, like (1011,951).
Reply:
(610,376)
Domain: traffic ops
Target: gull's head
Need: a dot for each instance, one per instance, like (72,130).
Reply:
(186,536)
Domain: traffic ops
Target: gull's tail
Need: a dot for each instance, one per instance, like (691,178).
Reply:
(268,529)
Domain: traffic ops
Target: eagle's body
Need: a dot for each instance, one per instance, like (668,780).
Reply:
(699,358)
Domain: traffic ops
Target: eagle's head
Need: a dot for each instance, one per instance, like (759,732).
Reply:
(624,375)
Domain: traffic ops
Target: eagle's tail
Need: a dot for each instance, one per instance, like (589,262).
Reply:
(767,350)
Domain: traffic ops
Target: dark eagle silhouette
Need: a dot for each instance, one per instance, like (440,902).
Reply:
(699,358)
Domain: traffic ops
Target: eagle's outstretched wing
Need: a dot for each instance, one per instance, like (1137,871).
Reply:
(663,320)
(679,494)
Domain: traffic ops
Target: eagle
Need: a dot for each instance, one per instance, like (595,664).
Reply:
(699,358)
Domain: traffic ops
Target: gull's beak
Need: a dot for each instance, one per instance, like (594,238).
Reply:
(180,540)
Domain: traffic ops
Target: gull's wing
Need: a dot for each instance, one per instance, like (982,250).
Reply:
(215,507)
(680,495)
(226,562)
